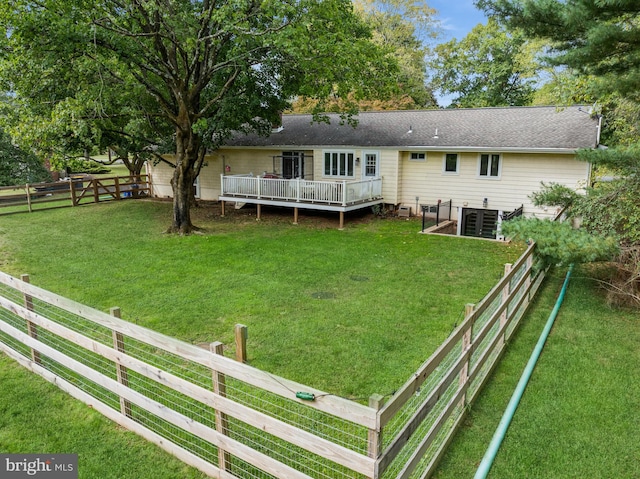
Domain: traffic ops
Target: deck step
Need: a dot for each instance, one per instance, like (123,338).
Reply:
(239,205)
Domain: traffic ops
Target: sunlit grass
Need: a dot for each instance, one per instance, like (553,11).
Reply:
(353,312)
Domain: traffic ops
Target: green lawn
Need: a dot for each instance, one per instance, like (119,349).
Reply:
(579,416)
(352,312)
(37,417)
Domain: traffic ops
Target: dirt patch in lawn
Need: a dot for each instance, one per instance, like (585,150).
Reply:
(207,212)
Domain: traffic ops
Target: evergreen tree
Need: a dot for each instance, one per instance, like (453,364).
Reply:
(594,37)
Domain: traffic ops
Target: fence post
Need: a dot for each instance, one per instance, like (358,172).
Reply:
(222,423)
(96,197)
(374,443)
(527,283)
(505,298)
(241,334)
(26,190)
(31,328)
(116,184)
(72,190)
(121,371)
(466,344)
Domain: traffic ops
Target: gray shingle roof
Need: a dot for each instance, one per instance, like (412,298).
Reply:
(513,128)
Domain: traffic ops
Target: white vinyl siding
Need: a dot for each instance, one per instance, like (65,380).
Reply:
(521,175)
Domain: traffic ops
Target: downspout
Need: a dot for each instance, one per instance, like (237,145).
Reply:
(498,436)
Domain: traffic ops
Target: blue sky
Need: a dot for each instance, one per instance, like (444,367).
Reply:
(457,17)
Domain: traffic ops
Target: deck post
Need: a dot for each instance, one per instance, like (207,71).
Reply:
(258,212)
(341,227)
(222,208)
(295,215)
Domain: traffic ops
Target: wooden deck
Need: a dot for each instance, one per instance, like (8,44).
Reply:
(340,196)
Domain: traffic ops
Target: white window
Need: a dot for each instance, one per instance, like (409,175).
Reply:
(489,166)
(339,163)
(450,164)
(371,165)
(416,156)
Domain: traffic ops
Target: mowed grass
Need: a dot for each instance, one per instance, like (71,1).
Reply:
(351,312)
(37,417)
(579,416)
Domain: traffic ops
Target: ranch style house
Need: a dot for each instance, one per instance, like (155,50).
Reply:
(485,161)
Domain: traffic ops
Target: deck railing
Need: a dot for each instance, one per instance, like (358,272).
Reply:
(298,190)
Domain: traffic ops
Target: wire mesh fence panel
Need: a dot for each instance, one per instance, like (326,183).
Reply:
(224,416)
(415,436)
(228,418)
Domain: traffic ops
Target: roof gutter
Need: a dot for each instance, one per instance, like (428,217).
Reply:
(445,149)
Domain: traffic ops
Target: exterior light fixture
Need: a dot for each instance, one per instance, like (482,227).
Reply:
(485,202)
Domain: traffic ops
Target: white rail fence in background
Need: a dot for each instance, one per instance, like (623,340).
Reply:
(231,420)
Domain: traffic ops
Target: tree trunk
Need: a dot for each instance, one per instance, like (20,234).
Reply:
(181,202)
(189,152)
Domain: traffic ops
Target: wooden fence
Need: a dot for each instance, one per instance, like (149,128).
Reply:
(231,420)
(72,192)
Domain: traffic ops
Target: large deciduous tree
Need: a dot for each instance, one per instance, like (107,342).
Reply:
(404,28)
(18,166)
(491,66)
(206,68)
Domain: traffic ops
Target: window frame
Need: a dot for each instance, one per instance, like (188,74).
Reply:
(336,168)
(366,166)
(444,164)
(490,168)
(417,154)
